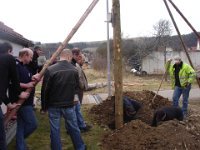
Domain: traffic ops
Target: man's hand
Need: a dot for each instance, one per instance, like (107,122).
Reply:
(169,60)
(36,77)
(12,106)
(187,84)
(24,95)
(30,85)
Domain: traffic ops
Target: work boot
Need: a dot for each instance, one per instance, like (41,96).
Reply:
(86,129)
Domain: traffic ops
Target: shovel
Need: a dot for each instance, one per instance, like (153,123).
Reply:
(163,77)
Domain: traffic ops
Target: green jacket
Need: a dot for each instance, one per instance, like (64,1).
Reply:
(186,74)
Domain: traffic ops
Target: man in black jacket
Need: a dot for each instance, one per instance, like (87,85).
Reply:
(59,87)
(130,107)
(33,65)
(8,74)
(167,113)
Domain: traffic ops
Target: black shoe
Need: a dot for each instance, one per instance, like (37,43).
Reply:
(86,129)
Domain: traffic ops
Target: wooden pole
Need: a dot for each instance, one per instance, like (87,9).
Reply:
(55,55)
(118,83)
(185,19)
(181,39)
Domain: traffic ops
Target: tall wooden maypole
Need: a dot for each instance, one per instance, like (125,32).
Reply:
(117,64)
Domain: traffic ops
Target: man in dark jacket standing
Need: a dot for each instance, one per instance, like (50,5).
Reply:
(59,87)
(78,61)
(33,65)
(8,74)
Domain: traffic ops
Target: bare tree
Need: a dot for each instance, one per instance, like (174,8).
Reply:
(162,32)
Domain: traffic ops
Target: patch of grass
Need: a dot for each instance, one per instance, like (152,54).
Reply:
(40,139)
(94,76)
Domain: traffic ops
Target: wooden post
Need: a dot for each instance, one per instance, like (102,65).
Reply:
(117,64)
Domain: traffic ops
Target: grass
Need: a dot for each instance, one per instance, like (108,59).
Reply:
(131,82)
(40,139)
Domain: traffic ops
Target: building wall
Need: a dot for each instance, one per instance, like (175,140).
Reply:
(154,63)
(16,47)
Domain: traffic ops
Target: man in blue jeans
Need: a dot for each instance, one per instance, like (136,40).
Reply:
(182,76)
(83,86)
(59,87)
(26,119)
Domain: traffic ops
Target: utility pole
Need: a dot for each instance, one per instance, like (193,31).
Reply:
(117,64)
(109,20)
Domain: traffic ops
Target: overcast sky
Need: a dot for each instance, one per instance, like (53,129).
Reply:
(52,20)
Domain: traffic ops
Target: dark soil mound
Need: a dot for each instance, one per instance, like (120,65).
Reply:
(104,112)
(139,135)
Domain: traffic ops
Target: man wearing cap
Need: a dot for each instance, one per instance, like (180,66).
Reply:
(182,76)
(33,65)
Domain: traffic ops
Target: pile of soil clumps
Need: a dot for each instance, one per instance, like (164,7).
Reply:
(104,112)
(139,135)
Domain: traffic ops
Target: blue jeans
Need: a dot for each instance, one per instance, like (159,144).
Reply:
(70,124)
(2,132)
(80,120)
(26,124)
(177,93)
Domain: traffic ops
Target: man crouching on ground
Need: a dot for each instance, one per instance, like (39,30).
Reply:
(58,89)
(167,113)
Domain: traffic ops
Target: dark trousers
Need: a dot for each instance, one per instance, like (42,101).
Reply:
(80,95)
(2,132)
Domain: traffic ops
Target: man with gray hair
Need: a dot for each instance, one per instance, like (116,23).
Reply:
(182,76)
(59,87)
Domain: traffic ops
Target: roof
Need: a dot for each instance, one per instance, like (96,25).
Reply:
(9,34)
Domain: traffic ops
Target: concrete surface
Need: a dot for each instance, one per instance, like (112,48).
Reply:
(98,98)
(194,94)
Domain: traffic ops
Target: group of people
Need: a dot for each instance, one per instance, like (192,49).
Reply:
(182,76)
(61,94)
(11,79)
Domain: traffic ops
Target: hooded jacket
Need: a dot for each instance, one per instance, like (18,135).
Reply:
(186,74)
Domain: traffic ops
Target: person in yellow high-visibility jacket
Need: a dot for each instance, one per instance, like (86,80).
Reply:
(182,76)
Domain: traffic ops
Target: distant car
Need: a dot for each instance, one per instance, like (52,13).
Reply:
(139,73)
(133,70)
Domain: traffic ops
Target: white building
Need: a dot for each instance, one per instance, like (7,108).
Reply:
(154,62)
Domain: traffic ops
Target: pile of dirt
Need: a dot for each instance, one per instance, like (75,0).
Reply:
(138,134)
(104,112)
